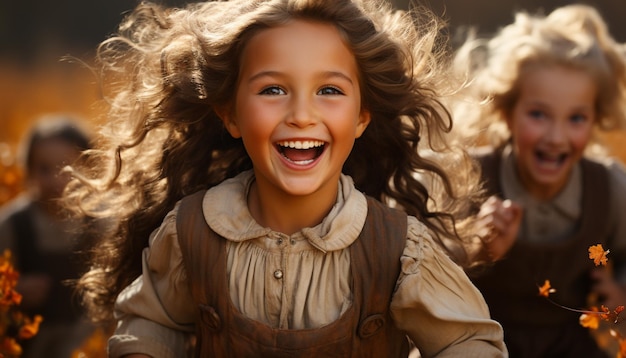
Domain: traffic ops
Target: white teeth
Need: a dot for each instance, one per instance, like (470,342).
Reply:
(554,157)
(307,144)
(301,162)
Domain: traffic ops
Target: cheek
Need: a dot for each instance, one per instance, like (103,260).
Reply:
(255,123)
(525,134)
(580,139)
(251,117)
(342,119)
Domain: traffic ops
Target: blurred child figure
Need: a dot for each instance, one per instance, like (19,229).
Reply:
(547,83)
(43,240)
(248,160)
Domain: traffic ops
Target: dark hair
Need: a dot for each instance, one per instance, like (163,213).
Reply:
(53,126)
(170,68)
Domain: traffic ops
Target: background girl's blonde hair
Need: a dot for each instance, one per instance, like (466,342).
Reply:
(574,36)
(168,69)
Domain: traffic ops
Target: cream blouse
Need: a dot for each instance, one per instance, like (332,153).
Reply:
(301,281)
(557,219)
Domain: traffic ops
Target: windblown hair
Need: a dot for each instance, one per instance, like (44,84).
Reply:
(573,36)
(168,69)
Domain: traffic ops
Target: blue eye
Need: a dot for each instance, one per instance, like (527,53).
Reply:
(578,118)
(272,91)
(537,114)
(329,90)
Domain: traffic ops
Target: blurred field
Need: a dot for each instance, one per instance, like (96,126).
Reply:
(616,141)
(28,93)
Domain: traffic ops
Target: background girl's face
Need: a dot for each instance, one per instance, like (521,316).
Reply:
(297,107)
(49,156)
(551,124)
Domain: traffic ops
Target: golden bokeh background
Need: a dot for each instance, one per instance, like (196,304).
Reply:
(36,34)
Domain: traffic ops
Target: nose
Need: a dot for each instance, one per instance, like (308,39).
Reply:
(303,112)
(557,132)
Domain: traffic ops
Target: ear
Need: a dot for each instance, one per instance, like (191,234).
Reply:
(228,119)
(364,120)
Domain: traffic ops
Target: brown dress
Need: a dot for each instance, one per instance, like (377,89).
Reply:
(365,329)
(533,326)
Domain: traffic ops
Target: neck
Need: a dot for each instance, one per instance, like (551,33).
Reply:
(543,194)
(540,191)
(286,213)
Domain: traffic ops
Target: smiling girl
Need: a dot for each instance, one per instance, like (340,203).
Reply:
(550,82)
(249,157)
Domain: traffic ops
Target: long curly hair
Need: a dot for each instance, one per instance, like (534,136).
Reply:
(168,69)
(572,36)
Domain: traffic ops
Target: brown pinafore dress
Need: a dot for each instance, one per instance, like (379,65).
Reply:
(533,326)
(364,330)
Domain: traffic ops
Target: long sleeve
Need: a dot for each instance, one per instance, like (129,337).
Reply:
(439,307)
(156,312)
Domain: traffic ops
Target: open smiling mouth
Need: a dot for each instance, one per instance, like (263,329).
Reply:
(301,152)
(554,159)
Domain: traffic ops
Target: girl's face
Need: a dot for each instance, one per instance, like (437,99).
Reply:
(49,156)
(551,124)
(297,107)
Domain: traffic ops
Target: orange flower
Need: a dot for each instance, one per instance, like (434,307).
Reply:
(598,254)
(10,347)
(546,289)
(8,281)
(590,320)
(14,324)
(30,327)
(613,316)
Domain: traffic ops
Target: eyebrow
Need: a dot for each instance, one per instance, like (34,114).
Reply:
(326,74)
(543,104)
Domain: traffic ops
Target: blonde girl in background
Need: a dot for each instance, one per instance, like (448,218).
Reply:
(249,151)
(538,92)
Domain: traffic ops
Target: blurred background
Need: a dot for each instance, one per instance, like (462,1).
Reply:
(36,34)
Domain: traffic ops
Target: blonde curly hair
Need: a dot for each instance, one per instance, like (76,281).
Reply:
(574,36)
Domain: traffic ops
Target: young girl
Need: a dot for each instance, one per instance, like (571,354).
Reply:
(294,115)
(549,81)
(35,227)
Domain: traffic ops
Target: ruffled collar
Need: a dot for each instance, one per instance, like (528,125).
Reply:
(226,212)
